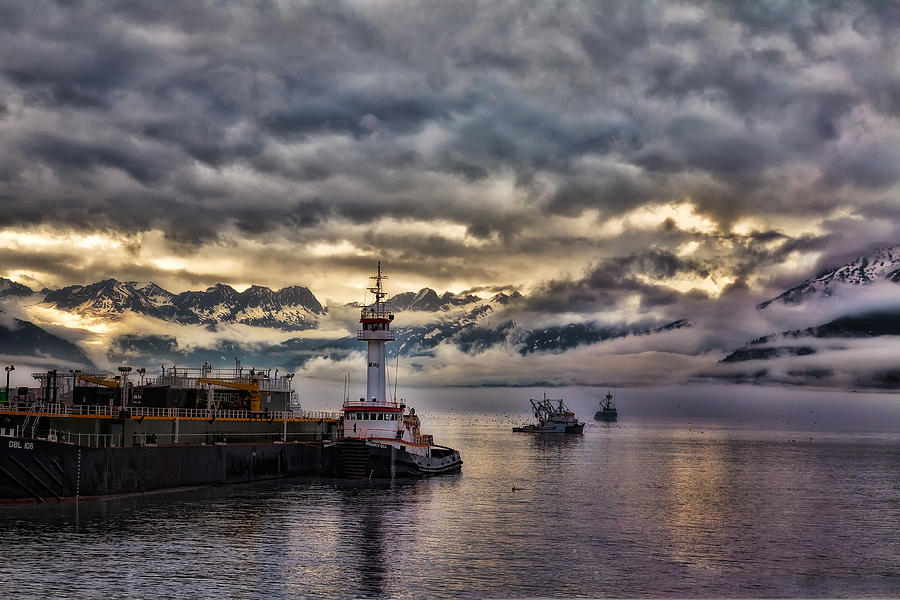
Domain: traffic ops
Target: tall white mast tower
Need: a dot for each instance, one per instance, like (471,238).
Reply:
(376,330)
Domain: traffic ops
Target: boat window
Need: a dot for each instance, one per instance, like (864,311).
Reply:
(380,417)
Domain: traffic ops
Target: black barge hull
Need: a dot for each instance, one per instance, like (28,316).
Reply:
(38,470)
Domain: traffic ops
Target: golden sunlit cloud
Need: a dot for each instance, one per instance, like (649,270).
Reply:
(46,240)
(342,248)
(683,215)
(687,248)
(47,316)
(686,282)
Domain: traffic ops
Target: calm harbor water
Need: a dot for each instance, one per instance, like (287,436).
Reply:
(624,511)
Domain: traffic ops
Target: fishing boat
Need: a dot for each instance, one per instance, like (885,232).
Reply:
(607,412)
(380,437)
(553,416)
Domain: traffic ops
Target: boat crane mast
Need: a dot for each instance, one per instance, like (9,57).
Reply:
(110,383)
(252,387)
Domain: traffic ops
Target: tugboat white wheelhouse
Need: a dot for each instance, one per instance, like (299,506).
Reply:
(376,437)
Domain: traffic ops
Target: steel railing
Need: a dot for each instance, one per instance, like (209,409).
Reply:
(107,440)
(33,409)
(362,405)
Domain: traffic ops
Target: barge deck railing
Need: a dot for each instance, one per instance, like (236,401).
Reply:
(36,410)
(116,440)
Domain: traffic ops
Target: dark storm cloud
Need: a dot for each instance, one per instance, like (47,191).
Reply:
(614,279)
(61,155)
(287,116)
(756,252)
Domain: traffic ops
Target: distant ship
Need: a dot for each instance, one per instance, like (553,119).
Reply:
(553,417)
(607,412)
(376,437)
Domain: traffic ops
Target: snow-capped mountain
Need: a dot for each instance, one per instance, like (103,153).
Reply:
(290,308)
(110,298)
(11,288)
(795,356)
(882,264)
(262,307)
(427,300)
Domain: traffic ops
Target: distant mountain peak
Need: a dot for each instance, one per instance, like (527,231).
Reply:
(222,287)
(427,300)
(11,288)
(293,307)
(503,299)
(880,264)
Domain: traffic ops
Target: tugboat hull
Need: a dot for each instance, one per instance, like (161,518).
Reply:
(358,459)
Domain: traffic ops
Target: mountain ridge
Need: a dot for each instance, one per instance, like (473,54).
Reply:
(797,348)
(473,325)
(25,339)
(290,308)
(881,264)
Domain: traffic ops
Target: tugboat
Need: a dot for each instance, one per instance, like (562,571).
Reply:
(377,438)
(607,412)
(553,417)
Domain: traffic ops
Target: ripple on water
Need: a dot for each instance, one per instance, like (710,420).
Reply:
(618,512)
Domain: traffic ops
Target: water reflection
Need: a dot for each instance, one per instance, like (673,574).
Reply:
(622,512)
(699,504)
(544,442)
(374,522)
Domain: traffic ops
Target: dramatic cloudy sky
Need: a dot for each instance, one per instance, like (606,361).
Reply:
(617,157)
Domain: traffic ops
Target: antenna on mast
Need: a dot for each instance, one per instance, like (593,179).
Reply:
(346,383)
(396,375)
(377,289)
